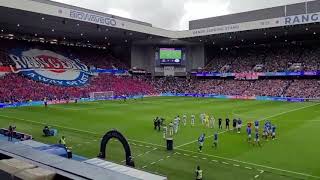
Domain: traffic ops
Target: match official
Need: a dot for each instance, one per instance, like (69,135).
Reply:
(198,173)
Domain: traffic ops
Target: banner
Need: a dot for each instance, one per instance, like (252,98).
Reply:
(111,71)
(5,69)
(263,98)
(255,75)
(246,76)
(168,70)
(49,67)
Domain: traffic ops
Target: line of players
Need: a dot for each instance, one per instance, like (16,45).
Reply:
(208,122)
(269,130)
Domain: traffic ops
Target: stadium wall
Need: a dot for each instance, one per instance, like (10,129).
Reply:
(195,57)
(262,14)
(143,57)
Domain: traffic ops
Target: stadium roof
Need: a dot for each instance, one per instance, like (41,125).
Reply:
(256,15)
(71,168)
(43,18)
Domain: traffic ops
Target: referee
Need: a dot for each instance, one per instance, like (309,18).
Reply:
(198,173)
(228,123)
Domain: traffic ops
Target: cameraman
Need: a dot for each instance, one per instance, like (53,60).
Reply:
(10,132)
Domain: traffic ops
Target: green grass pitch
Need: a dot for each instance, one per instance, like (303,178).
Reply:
(293,155)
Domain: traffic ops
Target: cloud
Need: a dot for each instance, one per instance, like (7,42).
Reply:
(119,12)
(174,14)
(203,9)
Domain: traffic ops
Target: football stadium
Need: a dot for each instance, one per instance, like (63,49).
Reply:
(89,95)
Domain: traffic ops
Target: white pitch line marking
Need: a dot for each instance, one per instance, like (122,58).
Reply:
(195,156)
(267,167)
(279,114)
(144,167)
(224,162)
(256,176)
(204,158)
(253,164)
(186,154)
(160,160)
(168,156)
(78,130)
(214,160)
(261,171)
(248,167)
(237,165)
(152,163)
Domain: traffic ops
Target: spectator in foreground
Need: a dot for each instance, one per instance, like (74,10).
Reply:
(62,141)
(10,133)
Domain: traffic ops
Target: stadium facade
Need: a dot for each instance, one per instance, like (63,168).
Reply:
(142,40)
(146,48)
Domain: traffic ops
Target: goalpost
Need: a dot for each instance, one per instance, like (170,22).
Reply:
(101,95)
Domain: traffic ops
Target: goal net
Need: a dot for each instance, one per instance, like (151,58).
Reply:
(101,95)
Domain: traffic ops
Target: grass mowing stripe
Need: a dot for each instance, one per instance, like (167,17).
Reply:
(276,115)
(267,167)
(96,122)
(74,129)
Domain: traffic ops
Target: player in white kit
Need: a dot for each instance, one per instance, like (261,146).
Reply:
(192,120)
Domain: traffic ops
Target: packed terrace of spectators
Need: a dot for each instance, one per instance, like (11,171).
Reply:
(306,88)
(265,59)
(16,88)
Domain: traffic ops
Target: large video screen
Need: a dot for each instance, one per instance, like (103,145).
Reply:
(170,55)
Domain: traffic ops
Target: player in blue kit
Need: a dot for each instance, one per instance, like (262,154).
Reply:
(256,124)
(239,125)
(273,129)
(266,130)
(215,140)
(256,138)
(269,128)
(249,133)
(201,141)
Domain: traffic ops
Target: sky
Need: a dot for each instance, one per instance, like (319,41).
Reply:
(174,14)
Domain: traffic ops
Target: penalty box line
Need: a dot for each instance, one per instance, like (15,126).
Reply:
(276,115)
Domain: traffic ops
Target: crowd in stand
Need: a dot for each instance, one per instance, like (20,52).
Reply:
(308,88)
(304,88)
(269,59)
(16,88)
